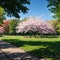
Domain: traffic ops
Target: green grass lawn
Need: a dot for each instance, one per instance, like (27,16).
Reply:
(48,48)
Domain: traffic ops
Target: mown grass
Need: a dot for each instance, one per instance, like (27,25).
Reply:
(48,48)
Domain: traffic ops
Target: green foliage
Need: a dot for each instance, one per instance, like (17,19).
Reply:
(54,7)
(56,24)
(12,26)
(14,7)
(57,27)
(26,18)
(2,15)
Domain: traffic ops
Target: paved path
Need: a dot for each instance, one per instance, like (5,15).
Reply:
(10,52)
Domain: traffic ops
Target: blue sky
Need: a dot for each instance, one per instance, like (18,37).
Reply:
(37,8)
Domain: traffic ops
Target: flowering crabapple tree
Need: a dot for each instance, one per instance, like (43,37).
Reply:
(6,26)
(1,30)
(35,26)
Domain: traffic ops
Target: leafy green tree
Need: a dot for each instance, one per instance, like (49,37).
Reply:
(2,15)
(14,7)
(54,7)
(56,24)
(12,26)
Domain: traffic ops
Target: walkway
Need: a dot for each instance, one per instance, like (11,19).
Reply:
(10,52)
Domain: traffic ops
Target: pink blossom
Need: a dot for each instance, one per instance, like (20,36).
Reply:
(1,30)
(35,25)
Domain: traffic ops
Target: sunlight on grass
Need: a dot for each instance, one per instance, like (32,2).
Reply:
(30,48)
(48,48)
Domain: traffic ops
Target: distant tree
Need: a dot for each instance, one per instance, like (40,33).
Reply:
(14,7)
(52,22)
(24,19)
(54,7)
(12,26)
(56,24)
(5,25)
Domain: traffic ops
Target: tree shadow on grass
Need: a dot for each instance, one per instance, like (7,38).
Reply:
(52,49)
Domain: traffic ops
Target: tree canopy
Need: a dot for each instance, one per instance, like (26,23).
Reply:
(14,7)
(54,7)
(2,15)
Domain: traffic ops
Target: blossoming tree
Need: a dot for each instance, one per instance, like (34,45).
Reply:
(35,25)
(1,30)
